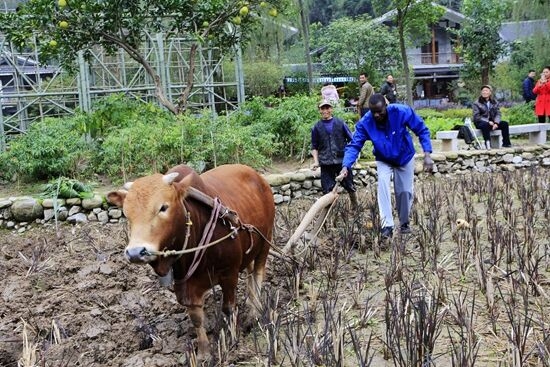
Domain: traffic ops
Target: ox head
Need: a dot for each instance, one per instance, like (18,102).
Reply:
(154,208)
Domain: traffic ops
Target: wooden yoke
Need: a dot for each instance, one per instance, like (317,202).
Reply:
(225,212)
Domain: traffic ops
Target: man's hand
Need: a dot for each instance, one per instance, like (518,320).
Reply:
(428,163)
(343,174)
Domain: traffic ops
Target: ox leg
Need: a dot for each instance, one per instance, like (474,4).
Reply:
(256,273)
(229,285)
(196,314)
(254,285)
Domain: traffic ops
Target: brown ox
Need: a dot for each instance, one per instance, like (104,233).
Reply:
(157,207)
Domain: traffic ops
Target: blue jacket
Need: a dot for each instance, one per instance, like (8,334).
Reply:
(528,85)
(392,142)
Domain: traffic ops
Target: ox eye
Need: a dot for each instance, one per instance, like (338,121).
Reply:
(163,208)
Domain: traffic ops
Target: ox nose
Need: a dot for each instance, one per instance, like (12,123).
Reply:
(137,254)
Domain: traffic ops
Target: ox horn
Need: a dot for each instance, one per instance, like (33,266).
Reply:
(170,177)
(128,185)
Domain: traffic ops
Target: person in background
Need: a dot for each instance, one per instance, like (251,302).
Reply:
(329,137)
(528,85)
(281,91)
(388,89)
(486,117)
(387,126)
(366,92)
(542,90)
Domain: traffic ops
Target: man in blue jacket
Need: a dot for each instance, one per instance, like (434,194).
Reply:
(387,127)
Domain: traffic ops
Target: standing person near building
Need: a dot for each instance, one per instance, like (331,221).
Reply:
(388,89)
(528,85)
(329,137)
(486,117)
(387,126)
(542,90)
(366,92)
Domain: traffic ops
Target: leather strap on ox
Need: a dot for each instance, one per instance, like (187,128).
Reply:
(206,236)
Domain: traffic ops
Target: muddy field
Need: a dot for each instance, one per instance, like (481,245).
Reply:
(468,287)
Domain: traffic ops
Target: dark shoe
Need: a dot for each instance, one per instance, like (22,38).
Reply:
(387,232)
(507,146)
(405,228)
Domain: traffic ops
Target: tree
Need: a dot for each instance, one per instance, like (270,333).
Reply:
(412,18)
(481,45)
(65,27)
(356,44)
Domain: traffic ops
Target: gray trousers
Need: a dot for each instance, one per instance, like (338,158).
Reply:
(403,182)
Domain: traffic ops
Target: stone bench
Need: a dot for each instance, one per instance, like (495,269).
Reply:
(537,135)
(537,132)
(449,139)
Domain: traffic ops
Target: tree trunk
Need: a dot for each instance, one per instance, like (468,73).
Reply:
(182,102)
(403,50)
(305,34)
(485,73)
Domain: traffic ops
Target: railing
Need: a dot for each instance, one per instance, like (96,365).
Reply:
(434,59)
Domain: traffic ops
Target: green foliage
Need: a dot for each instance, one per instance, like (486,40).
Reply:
(356,44)
(114,24)
(139,149)
(262,78)
(330,10)
(118,110)
(522,113)
(66,188)
(202,141)
(436,124)
(50,148)
(481,42)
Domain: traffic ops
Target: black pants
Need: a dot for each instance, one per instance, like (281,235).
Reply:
(542,119)
(486,131)
(328,178)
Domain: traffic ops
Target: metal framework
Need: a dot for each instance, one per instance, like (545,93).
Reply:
(31,92)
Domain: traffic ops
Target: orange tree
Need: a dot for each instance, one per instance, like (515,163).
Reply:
(62,28)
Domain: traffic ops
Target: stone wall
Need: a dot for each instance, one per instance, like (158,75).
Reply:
(17,213)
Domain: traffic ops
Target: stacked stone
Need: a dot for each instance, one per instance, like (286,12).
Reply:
(19,212)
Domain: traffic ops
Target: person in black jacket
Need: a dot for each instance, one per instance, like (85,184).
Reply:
(487,117)
(528,85)
(389,90)
(329,137)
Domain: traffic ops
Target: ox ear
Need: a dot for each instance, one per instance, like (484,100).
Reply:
(184,184)
(170,178)
(117,197)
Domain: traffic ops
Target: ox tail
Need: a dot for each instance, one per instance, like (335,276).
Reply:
(320,206)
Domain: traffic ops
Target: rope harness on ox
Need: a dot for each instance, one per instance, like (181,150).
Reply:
(219,211)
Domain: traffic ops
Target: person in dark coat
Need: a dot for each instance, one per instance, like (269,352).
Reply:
(389,89)
(486,117)
(528,85)
(329,137)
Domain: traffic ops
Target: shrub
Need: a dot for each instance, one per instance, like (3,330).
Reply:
(519,114)
(51,148)
(262,78)
(120,111)
(436,124)
(140,149)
